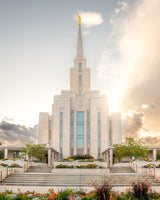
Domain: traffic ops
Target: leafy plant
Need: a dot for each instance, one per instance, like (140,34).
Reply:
(149,166)
(34,150)
(129,148)
(140,189)
(89,166)
(102,190)
(158,155)
(15,166)
(145,159)
(82,157)
(3,165)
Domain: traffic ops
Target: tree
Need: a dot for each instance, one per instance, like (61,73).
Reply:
(158,155)
(34,150)
(129,148)
(1,153)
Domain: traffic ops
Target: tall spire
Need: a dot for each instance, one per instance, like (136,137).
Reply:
(79,44)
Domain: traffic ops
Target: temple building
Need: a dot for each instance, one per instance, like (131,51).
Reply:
(80,122)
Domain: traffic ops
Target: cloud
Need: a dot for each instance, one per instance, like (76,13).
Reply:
(89,19)
(17,134)
(152,106)
(121,6)
(134,53)
(133,123)
(151,141)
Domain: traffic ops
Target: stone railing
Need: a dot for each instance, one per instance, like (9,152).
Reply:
(5,171)
(138,167)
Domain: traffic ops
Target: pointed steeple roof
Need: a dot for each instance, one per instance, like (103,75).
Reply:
(79,44)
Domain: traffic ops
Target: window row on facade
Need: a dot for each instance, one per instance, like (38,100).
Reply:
(80,133)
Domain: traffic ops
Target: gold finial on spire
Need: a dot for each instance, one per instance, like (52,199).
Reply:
(79,19)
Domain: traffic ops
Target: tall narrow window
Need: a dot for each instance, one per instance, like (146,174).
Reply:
(72,131)
(88,136)
(50,129)
(61,134)
(80,85)
(80,67)
(99,135)
(80,132)
(110,140)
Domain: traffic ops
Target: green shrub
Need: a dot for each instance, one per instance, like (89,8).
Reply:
(37,161)
(3,165)
(15,166)
(63,166)
(81,157)
(90,166)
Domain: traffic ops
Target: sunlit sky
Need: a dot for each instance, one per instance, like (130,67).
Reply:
(121,42)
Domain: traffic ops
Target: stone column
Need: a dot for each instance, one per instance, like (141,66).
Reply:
(111,157)
(107,158)
(27,157)
(52,159)
(154,155)
(5,153)
(49,157)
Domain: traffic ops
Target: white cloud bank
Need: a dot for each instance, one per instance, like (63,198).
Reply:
(89,19)
(135,74)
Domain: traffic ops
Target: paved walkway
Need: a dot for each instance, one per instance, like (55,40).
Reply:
(42,189)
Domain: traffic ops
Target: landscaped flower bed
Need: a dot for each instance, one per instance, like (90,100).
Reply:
(3,165)
(89,166)
(145,159)
(80,160)
(15,166)
(10,166)
(14,159)
(151,166)
(74,195)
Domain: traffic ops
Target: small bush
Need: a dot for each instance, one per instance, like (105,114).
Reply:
(90,166)
(149,166)
(140,189)
(81,157)
(3,165)
(14,166)
(64,166)
(103,190)
(145,159)
(37,161)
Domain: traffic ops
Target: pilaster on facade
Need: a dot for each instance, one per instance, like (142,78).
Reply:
(75,133)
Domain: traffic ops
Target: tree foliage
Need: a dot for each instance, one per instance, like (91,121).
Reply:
(158,155)
(1,153)
(34,150)
(130,147)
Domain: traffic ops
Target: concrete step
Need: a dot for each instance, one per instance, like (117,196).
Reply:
(39,169)
(50,179)
(123,169)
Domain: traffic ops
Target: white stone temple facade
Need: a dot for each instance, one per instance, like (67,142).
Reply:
(80,122)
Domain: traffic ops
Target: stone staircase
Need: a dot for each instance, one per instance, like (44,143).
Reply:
(39,169)
(51,179)
(123,169)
